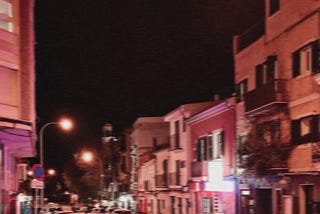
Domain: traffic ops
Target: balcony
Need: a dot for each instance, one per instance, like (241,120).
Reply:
(175,142)
(199,169)
(266,98)
(162,181)
(174,179)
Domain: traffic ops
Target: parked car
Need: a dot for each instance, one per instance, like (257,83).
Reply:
(121,211)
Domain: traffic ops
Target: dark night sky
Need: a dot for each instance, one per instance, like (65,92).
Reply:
(112,61)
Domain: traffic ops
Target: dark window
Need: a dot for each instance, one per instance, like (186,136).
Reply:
(274,6)
(241,90)
(177,139)
(202,151)
(165,172)
(178,164)
(210,148)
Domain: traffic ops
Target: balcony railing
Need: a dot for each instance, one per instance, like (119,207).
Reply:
(175,141)
(161,181)
(266,97)
(174,179)
(199,169)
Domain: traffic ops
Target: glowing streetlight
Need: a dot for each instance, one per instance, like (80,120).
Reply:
(87,156)
(51,172)
(64,124)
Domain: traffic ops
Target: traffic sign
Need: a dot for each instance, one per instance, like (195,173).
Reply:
(36,184)
(38,172)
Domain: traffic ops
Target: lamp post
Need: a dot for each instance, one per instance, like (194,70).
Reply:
(66,125)
(108,139)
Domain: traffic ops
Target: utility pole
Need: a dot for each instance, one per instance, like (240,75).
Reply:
(108,139)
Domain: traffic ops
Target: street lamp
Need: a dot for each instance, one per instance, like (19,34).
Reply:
(64,124)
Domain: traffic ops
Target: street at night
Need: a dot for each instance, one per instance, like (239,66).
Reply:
(160,107)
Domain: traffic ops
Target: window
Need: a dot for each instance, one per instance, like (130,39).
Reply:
(165,172)
(176,129)
(210,147)
(201,151)
(206,204)
(9,93)
(305,130)
(6,16)
(218,144)
(274,6)
(305,59)
(178,164)
(266,71)
(241,90)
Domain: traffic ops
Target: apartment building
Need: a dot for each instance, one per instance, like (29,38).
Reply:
(17,96)
(177,165)
(277,76)
(211,136)
(148,135)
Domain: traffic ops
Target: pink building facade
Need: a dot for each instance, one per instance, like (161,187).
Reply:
(211,136)
(17,96)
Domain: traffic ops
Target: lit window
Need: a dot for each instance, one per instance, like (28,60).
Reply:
(5,16)
(218,144)
(306,59)
(306,126)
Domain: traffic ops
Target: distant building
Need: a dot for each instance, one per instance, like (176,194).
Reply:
(176,167)
(17,97)
(278,98)
(148,134)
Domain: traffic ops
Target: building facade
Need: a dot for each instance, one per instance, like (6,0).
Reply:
(17,96)
(276,74)
(211,139)
(148,134)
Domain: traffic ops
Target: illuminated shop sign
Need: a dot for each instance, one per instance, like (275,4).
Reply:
(216,181)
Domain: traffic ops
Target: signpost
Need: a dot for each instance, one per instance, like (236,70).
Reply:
(37,182)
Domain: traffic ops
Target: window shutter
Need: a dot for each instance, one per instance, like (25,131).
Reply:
(315,128)
(315,56)
(205,149)
(222,142)
(296,63)
(295,131)
(198,150)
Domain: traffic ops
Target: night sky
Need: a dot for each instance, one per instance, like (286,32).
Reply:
(112,61)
